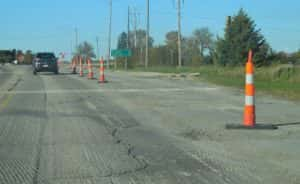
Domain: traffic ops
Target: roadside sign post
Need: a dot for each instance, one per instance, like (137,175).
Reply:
(118,53)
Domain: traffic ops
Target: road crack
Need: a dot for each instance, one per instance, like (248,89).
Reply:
(14,85)
(40,143)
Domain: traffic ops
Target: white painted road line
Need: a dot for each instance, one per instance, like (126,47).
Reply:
(72,91)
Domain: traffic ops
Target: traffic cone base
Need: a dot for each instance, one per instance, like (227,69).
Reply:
(74,71)
(255,127)
(102,78)
(102,82)
(249,116)
(91,76)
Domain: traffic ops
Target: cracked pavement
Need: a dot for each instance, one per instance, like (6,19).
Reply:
(119,133)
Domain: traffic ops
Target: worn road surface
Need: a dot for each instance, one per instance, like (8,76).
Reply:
(140,128)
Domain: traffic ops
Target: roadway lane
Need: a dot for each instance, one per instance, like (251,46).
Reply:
(136,129)
(5,74)
(77,138)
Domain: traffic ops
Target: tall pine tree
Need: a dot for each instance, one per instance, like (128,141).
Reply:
(122,41)
(240,36)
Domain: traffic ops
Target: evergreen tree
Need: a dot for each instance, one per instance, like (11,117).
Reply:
(240,36)
(122,41)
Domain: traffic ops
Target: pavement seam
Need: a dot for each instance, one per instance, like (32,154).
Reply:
(7,97)
(36,177)
(139,164)
(127,90)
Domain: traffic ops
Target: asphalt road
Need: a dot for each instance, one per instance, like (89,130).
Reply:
(138,128)
(4,75)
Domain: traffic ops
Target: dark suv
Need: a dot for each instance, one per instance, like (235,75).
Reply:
(45,62)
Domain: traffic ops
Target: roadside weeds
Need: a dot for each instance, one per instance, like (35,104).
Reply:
(278,81)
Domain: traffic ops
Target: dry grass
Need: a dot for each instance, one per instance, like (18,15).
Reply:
(282,81)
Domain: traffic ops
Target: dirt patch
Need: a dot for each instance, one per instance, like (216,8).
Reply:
(165,75)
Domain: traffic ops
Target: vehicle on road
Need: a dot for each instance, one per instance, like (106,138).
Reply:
(45,62)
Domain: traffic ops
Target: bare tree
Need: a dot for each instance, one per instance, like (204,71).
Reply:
(204,39)
(85,49)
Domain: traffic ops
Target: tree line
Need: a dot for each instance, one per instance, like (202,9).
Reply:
(203,47)
(7,56)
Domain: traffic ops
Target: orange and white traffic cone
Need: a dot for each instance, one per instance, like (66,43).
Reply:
(80,67)
(74,65)
(101,72)
(90,68)
(249,111)
(71,64)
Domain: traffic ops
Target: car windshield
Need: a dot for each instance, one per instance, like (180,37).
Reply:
(45,56)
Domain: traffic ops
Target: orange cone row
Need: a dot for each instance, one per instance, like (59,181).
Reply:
(79,60)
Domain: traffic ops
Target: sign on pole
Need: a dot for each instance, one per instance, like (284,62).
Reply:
(121,53)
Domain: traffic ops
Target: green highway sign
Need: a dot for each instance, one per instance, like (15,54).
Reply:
(121,53)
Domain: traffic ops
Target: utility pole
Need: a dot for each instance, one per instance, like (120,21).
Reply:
(147,36)
(134,15)
(128,37)
(97,43)
(76,37)
(71,47)
(179,33)
(134,22)
(109,34)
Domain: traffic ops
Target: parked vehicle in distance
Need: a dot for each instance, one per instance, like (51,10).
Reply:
(45,62)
